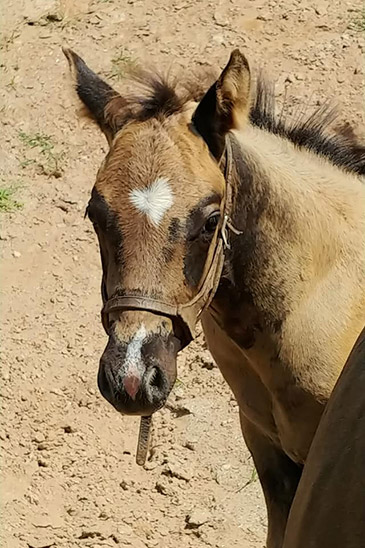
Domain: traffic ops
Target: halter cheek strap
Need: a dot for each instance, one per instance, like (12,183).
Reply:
(187,314)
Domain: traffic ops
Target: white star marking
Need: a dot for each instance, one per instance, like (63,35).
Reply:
(154,200)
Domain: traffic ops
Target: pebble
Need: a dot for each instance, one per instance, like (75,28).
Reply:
(190,445)
(197,517)
(218,39)
(178,471)
(320,10)
(56,391)
(220,18)
(16,254)
(42,446)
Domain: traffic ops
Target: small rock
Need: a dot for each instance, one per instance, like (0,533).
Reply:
(178,471)
(42,446)
(218,39)
(161,488)
(40,540)
(289,79)
(179,392)
(151,465)
(320,10)
(190,445)
(5,375)
(38,438)
(165,489)
(197,518)
(220,18)
(54,17)
(299,76)
(16,254)
(206,360)
(56,392)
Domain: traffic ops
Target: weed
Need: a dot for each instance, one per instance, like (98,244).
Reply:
(41,140)
(27,162)
(121,63)
(251,480)
(51,163)
(358,23)
(179,383)
(7,40)
(11,84)
(254,476)
(7,200)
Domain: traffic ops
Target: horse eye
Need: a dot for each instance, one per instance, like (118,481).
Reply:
(211,223)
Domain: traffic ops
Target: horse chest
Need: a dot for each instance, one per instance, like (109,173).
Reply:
(265,391)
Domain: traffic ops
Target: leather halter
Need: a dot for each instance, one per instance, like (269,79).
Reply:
(187,314)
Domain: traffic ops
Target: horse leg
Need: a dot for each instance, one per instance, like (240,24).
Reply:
(279,477)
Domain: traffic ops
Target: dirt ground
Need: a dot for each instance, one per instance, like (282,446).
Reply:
(69,477)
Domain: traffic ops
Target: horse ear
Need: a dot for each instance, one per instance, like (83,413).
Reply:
(226,104)
(101,100)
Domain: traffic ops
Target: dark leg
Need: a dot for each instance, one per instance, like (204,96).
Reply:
(279,477)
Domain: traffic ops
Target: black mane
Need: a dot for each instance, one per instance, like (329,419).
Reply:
(315,132)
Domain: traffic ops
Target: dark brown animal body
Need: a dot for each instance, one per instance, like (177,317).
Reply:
(188,178)
(328,510)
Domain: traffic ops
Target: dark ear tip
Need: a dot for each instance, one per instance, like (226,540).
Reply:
(68,53)
(73,59)
(236,53)
(238,58)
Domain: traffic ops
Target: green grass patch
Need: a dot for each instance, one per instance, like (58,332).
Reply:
(49,160)
(254,475)
(40,140)
(121,64)
(8,202)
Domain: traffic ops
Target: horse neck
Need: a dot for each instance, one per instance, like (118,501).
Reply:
(290,206)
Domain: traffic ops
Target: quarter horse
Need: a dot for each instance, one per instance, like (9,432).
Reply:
(328,508)
(208,206)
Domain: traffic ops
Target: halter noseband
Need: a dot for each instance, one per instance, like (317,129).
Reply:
(187,314)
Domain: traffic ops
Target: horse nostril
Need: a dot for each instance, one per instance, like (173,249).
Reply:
(155,379)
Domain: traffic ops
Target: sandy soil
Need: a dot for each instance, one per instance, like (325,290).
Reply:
(69,474)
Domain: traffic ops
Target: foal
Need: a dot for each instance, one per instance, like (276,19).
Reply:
(208,206)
